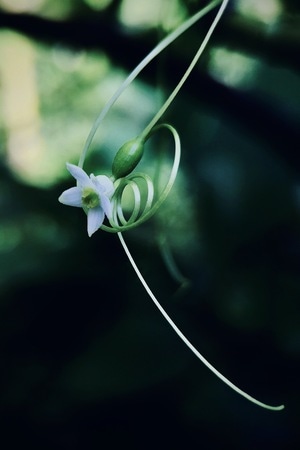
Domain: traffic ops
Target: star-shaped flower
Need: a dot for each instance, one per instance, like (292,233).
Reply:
(92,193)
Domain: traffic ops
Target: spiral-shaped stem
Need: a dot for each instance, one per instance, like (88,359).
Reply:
(146,198)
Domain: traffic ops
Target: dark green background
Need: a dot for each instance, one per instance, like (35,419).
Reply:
(86,360)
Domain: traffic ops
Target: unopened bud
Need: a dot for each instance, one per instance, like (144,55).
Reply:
(127,157)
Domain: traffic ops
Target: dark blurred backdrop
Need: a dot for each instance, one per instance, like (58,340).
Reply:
(86,360)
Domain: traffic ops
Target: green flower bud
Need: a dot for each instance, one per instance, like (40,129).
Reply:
(127,157)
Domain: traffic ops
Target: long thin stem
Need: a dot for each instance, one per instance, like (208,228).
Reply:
(158,49)
(183,337)
(188,71)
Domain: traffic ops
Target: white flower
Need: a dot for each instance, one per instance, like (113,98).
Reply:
(93,193)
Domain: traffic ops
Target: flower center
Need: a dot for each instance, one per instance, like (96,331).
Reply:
(90,198)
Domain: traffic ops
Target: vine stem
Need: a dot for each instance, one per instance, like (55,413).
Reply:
(184,338)
(170,99)
(158,49)
(150,208)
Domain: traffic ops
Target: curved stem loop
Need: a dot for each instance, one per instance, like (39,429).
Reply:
(139,213)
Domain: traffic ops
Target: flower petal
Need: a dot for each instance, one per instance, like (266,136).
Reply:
(71,197)
(95,217)
(79,174)
(105,185)
(106,205)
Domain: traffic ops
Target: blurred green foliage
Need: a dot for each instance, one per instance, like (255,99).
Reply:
(87,361)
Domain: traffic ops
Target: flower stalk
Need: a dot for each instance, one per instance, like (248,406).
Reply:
(101,196)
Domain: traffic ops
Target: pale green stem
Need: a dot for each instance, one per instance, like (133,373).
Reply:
(149,210)
(158,49)
(183,337)
(195,60)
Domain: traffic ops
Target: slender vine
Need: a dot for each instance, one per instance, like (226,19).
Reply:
(101,196)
